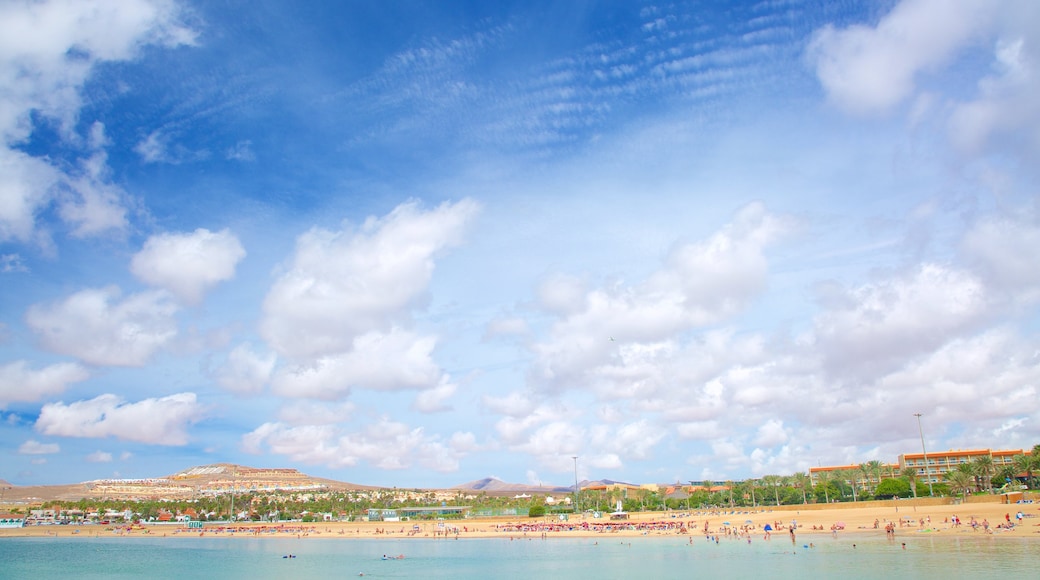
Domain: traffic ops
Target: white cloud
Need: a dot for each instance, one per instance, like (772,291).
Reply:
(297,413)
(92,204)
(993,248)
(771,434)
(161,421)
(341,285)
(19,383)
(385,445)
(1005,115)
(32,447)
(634,440)
(867,69)
(246,372)
(25,188)
(878,326)
(99,329)
(383,362)
(152,149)
(60,42)
(701,283)
(434,400)
(188,265)
(99,457)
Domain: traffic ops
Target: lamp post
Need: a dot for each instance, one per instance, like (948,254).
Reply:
(924,452)
(576,506)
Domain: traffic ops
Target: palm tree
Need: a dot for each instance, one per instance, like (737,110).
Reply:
(864,473)
(848,476)
(773,481)
(1026,463)
(960,480)
(982,468)
(876,467)
(910,474)
(752,484)
(801,481)
(824,478)
(1007,474)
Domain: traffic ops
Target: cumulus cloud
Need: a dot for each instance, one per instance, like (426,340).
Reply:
(98,328)
(385,362)
(385,445)
(188,264)
(32,447)
(434,400)
(871,69)
(867,69)
(20,383)
(883,324)
(701,283)
(342,285)
(61,41)
(246,372)
(160,421)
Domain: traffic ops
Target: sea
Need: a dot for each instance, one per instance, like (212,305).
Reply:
(846,557)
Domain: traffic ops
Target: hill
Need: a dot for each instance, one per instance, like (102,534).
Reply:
(204,479)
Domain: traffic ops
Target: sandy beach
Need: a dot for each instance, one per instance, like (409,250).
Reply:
(907,519)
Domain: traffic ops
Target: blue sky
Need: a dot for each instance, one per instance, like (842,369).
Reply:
(422,243)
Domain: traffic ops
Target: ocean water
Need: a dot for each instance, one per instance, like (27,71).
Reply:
(607,557)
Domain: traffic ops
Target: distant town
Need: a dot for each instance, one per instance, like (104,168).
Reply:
(225,492)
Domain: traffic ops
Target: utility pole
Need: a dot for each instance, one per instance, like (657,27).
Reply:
(925,453)
(577,507)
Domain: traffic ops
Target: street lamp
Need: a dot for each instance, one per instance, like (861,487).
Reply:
(576,496)
(924,452)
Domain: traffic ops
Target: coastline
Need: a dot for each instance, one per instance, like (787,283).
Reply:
(908,519)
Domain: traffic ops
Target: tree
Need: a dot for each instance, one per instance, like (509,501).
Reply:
(1026,463)
(960,480)
(892,487)
(982,470)
(801,481)
(774,482)
(875,468)
(536,511)
(910,473)
(1006,475)
(823,479)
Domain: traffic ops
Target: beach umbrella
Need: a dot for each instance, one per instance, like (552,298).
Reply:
(768,528)
(748,522)
(725,523)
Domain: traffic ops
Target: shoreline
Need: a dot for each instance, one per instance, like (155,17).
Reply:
(906,520)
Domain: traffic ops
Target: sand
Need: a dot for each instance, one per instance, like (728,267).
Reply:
(857,519)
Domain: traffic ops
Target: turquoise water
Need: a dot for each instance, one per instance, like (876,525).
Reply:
(666,557)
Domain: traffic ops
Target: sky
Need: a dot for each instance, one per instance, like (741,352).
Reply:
(417,244)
